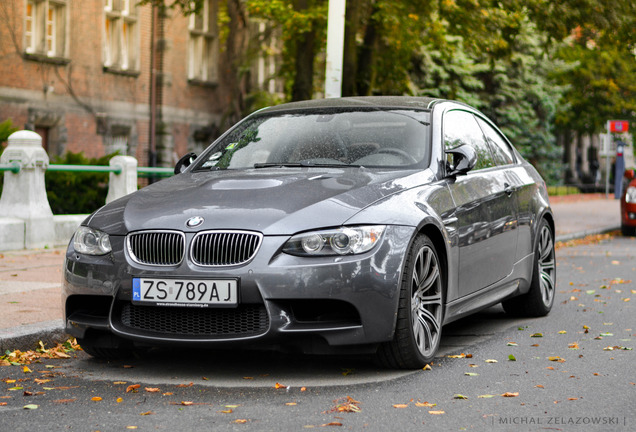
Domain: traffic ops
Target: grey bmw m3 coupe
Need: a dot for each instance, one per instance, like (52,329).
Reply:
(351,225)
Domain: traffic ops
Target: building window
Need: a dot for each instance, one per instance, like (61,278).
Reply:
(121,46)
(203,44)
(45,28)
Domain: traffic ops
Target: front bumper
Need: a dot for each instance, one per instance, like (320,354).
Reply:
(284,299)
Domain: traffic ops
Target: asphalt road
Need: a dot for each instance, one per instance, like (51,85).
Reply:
(570,373)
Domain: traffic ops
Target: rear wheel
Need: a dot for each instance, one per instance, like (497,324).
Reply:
(419,320)
(539,299)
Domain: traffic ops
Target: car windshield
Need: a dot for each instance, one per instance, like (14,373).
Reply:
(372,138)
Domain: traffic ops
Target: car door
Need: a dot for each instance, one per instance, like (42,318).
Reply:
(486,212)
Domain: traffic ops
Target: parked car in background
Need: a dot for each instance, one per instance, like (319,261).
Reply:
(331,226)
(628,204)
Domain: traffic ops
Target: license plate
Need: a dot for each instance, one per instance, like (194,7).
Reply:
(186,292)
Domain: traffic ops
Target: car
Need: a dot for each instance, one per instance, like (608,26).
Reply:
(628,204)
(357,225)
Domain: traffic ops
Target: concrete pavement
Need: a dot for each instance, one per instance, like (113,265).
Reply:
(30,280)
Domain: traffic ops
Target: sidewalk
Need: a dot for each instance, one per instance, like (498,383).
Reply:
(30,281)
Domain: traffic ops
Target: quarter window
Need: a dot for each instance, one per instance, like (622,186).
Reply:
(461,128)
(203,44)
(121,46)
(501,150)
(45,28)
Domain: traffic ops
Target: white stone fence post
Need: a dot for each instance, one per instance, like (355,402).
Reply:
(26,219)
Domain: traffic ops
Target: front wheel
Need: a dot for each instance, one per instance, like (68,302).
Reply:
(420,310)
(538,300)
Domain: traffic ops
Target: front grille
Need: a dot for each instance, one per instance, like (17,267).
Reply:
(245,320)
(224,248)
(157,247)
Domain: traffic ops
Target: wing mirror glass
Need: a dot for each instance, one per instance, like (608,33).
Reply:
(460,160)
(184,162)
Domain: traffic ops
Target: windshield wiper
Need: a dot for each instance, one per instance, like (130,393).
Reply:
(300,164)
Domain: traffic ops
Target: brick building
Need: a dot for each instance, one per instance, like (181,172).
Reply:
(79,72)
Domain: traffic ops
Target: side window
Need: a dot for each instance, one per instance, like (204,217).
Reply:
(501,149)
(460,127)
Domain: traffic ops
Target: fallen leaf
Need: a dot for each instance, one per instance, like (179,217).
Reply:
(573,398)
(41,381)
(556,359)
(573,345)
(512,344)
(459,396)
(536,335)
(302,389)
(119,382)
(331,424)
(30,407)
(512,358)
(425,404)
(227,411)
(400,405)
(539,386)
(510,394)
(96,399)
(291,403)
(279,386)
(491,361)
(562,332)
(427,367)
(186,403)
(167,394)
(64,400)
(240,421)
(485,396)
(3,403)
(185,385)
(437,412)
(462,355)
(119,400)
(146,413)
(152,389)
(345,404)
(133,388)
(471,374)
(131,427)
(26,369)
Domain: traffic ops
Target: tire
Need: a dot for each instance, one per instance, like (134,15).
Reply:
(420,310)
(105,347)
(628,231)
(538,301)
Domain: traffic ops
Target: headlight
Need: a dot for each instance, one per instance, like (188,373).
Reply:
(630,195)
(339,241)
(91,241)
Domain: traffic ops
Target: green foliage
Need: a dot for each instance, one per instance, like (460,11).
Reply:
(77,192)
(6,129)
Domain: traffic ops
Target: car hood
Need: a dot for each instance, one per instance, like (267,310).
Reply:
(278,201)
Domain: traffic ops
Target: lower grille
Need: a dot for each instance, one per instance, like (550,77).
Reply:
(245,320)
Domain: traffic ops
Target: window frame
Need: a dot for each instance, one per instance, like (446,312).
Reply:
(203,45)
(121,40)
(507,147)
(46,24)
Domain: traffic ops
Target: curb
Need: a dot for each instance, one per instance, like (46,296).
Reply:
(27,336)
(581,234)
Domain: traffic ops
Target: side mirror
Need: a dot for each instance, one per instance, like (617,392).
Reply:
(629,174)
(184,162)
(464,159)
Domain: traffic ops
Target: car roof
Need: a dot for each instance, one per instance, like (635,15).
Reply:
(383,102)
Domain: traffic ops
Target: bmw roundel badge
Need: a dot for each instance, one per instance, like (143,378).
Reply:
(194,221)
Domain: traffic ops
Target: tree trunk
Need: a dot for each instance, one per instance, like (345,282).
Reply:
(350,59)
(236,47)
(302,89)
(366,70)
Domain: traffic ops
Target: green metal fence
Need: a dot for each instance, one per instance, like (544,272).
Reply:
(141,171)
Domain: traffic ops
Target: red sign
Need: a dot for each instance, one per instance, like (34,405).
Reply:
(619,126)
